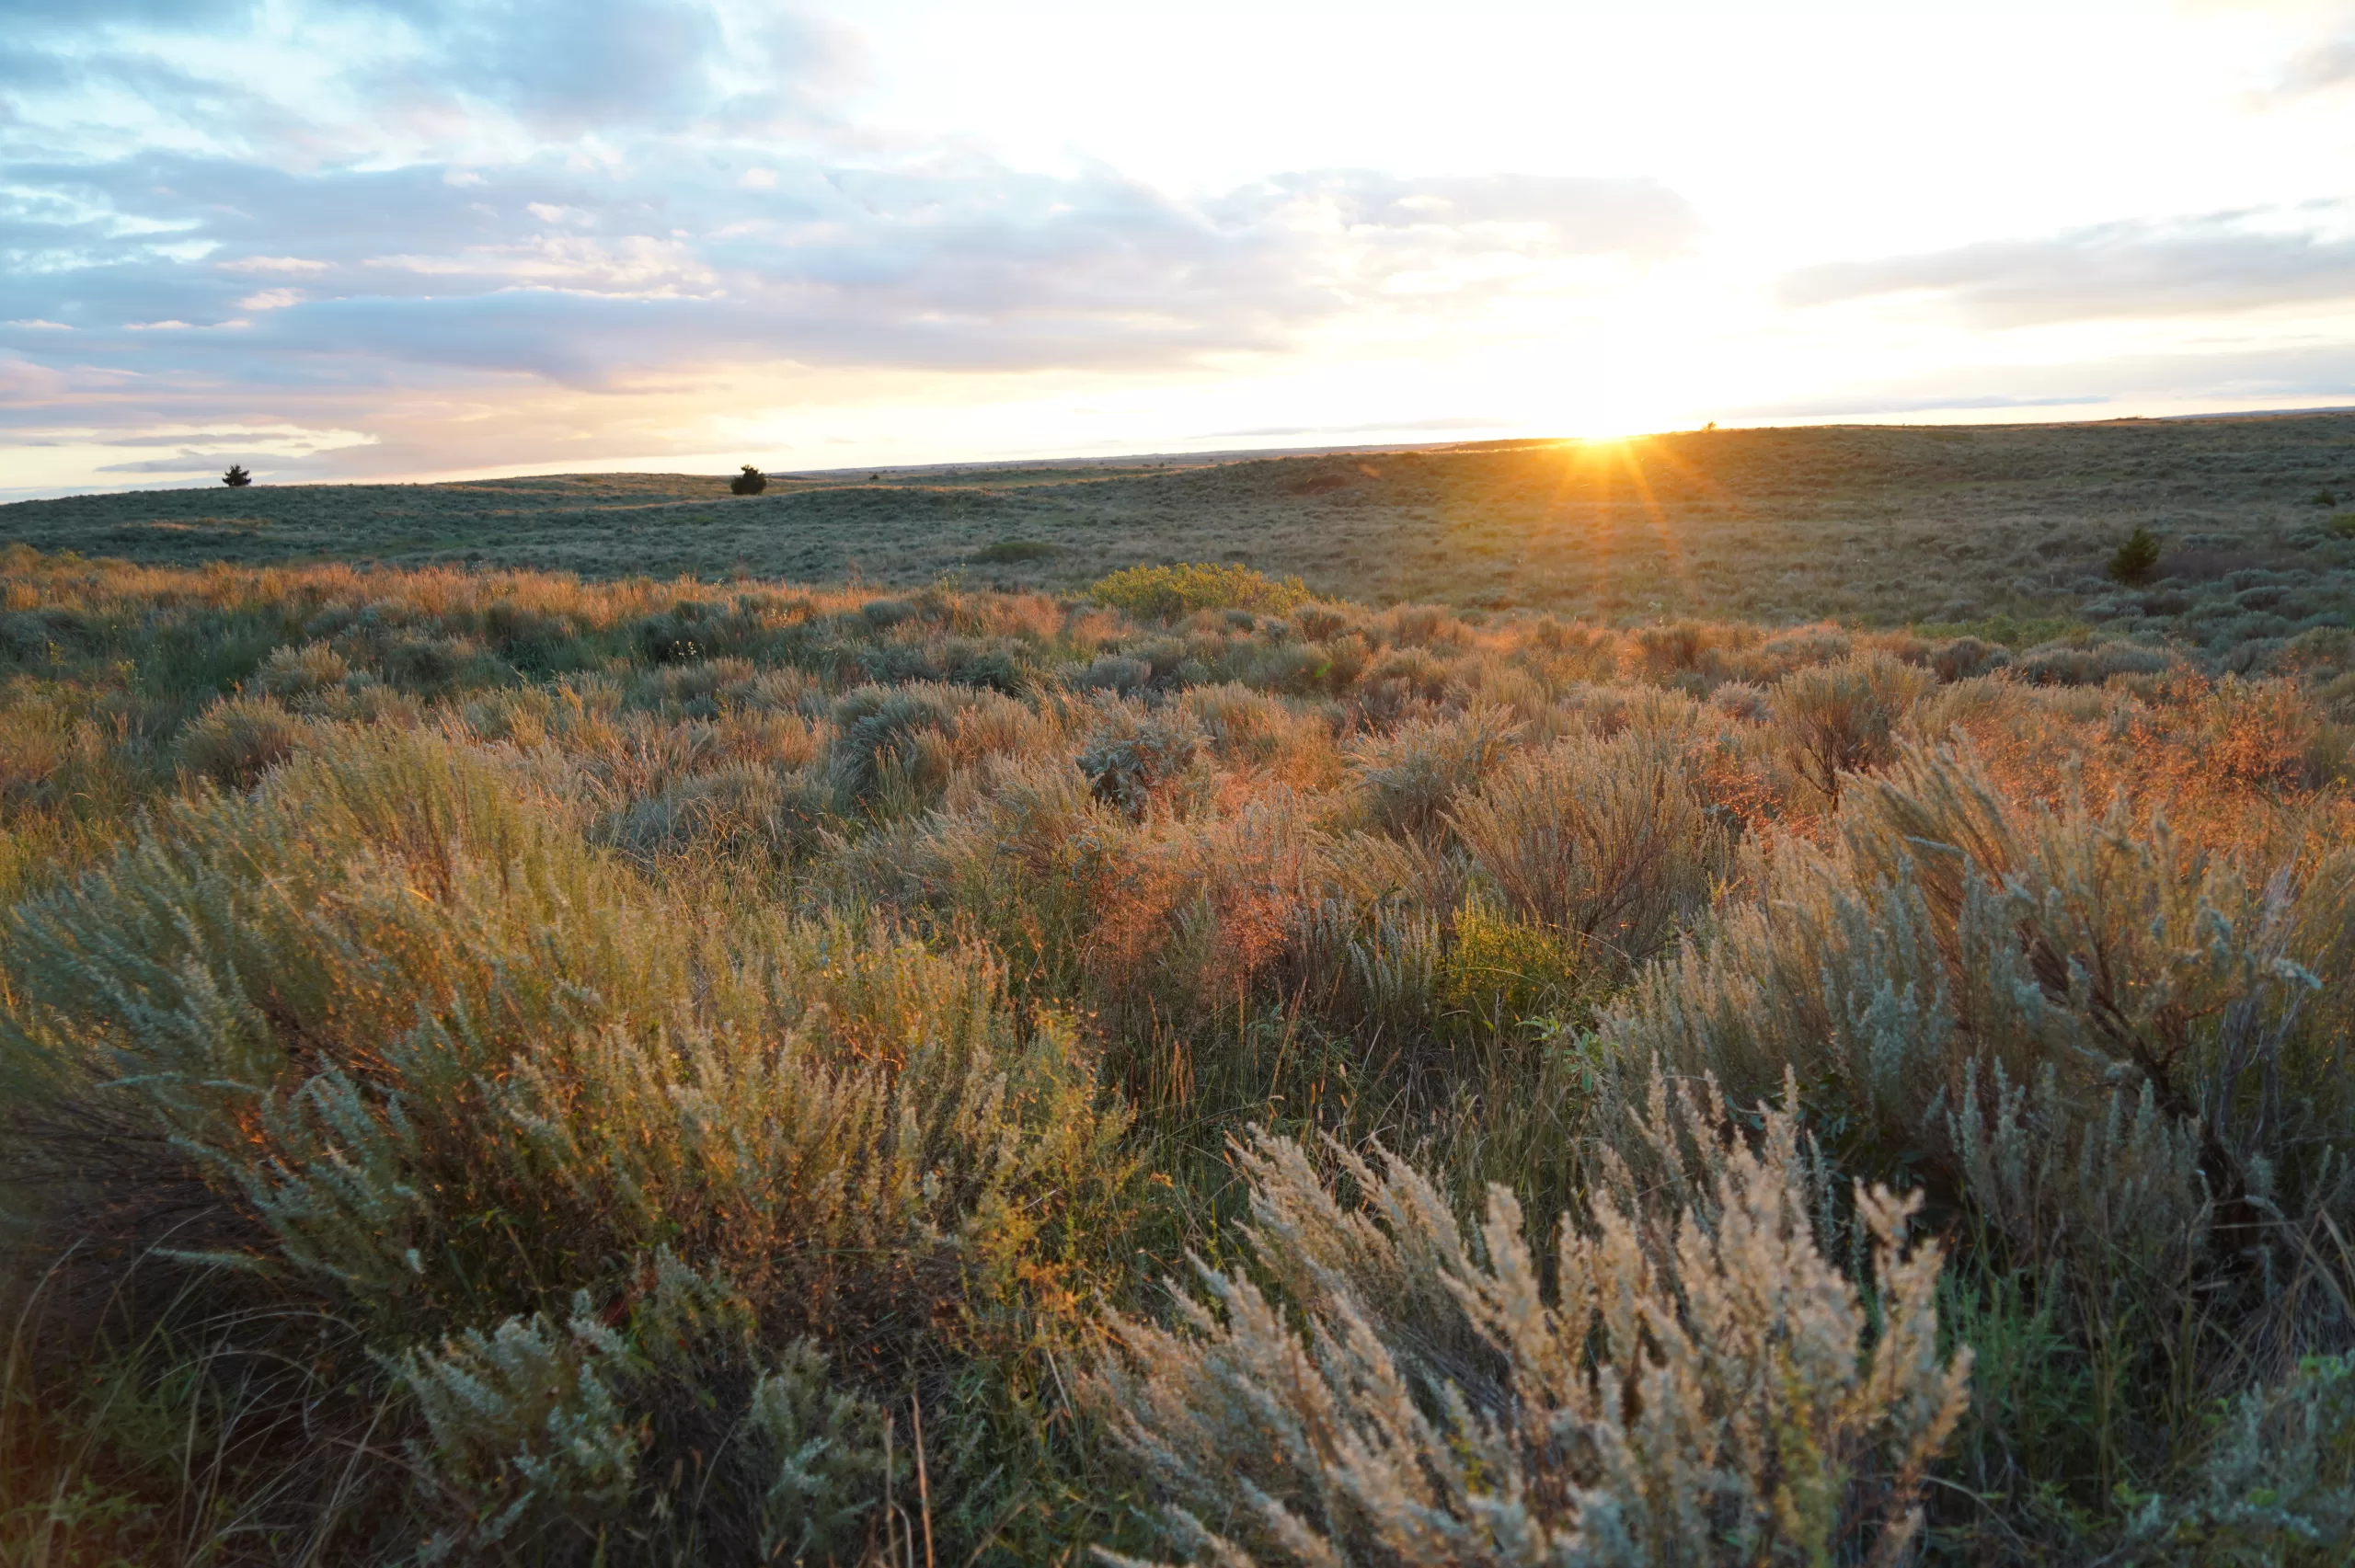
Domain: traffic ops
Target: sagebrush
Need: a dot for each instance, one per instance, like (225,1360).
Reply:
(503,1069)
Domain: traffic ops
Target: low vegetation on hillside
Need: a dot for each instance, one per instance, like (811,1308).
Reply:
(2010,532)
(496,1068)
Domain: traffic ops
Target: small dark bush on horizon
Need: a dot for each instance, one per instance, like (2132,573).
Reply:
(237,478)
(2136,559)
(751,482)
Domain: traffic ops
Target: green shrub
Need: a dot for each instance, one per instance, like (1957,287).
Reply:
(1114,672)
(2135,560)
(1601,841)
(1500,972)
(751,482)
(303,677)
(894,747)
(237,478)
(1167,593)
(1132,758)
(1413,775)
(2106,1051)
(2277,1488)
(742,811)
(1693,1381)
(235,741)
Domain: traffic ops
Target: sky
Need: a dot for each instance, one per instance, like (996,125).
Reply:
(342,240)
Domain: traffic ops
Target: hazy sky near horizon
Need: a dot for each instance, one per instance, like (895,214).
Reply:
(338,239)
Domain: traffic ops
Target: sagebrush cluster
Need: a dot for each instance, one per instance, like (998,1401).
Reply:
(495,1069)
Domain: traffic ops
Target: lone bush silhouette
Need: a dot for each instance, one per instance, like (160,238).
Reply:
(237,478)
(2136,559)
(752,482)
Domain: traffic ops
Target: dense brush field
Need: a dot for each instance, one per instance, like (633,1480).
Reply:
(506,1069)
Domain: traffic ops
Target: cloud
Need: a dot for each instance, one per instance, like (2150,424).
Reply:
(543,268)
(282,436)
(1631,217)
(1379,428)
(2317,68)
(2217,263)
(569,67)
(187,462)
(377,77)
(1879,404)
(2266,377)
(81,14)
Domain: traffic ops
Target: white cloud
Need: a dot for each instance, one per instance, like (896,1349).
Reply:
(957,263)
(2320,67)
(273,264)
(2216,263)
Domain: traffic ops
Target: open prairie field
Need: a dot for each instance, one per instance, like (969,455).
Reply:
(1879,524)
(1652,1047)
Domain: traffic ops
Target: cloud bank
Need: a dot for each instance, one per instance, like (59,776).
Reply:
(2200,266)
(549,269)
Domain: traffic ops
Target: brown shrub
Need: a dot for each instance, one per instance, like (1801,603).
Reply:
(1602,839)
(235,741)
(1843,718)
